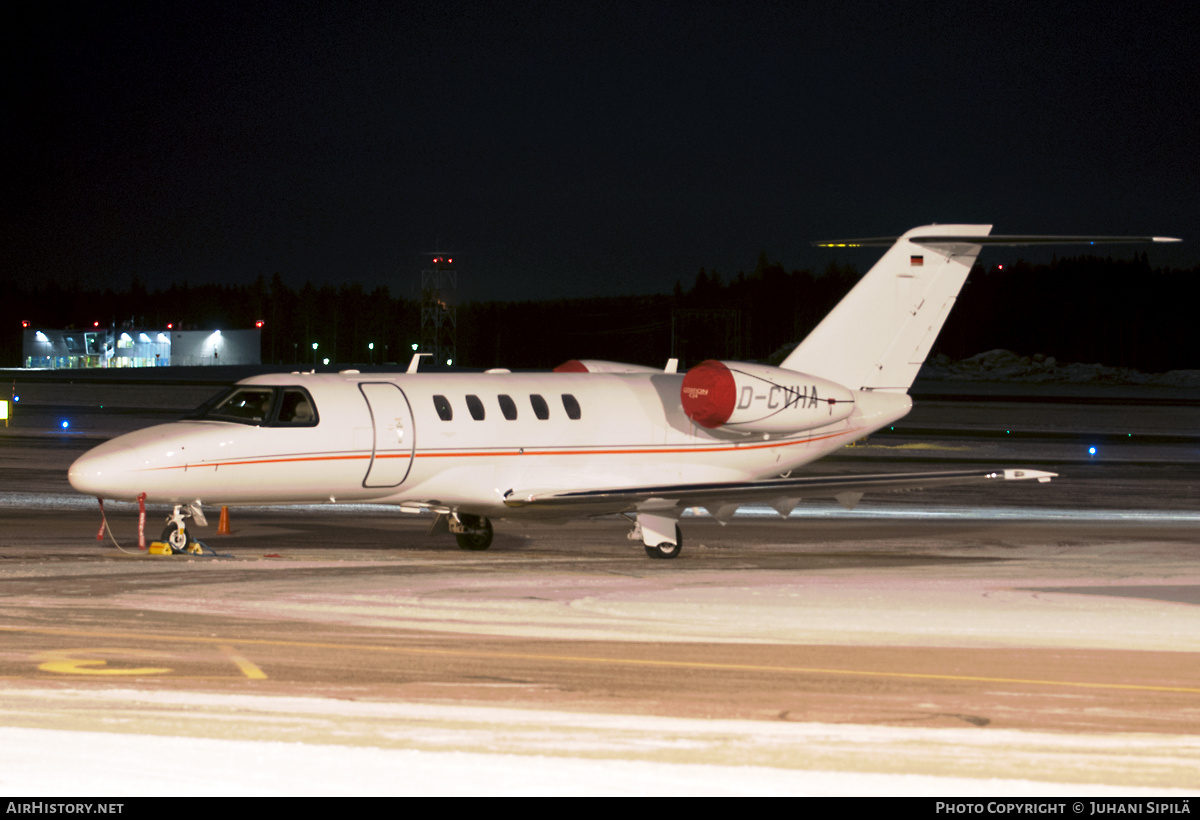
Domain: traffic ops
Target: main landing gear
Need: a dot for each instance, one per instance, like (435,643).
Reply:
(659,534)
(473,532)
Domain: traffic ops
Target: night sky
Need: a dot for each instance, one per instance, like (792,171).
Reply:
(579,149)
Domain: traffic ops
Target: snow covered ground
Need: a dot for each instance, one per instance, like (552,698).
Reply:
(400,749)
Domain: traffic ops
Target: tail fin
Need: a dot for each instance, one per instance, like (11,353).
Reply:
(878,336)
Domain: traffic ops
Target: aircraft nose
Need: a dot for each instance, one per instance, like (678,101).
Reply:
(103,471)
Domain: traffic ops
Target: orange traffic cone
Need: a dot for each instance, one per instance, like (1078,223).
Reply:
(223,523)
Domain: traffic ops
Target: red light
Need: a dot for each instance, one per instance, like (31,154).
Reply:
(259,323)
(24,324)
(170,326)
(95,324)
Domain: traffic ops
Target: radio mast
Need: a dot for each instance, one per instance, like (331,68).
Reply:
(439,311)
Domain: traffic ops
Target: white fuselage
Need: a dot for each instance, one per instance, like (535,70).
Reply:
(381,439)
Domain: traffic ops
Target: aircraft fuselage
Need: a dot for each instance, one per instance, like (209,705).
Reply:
(457,441)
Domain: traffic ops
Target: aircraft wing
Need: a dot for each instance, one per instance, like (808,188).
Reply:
(723,499)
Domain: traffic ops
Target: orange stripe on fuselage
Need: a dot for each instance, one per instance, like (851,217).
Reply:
(617,450)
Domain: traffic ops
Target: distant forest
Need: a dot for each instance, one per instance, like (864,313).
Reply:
(1117,312)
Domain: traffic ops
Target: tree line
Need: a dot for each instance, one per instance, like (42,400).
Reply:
(1118,312)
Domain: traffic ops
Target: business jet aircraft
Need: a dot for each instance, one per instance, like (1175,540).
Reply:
(590,438)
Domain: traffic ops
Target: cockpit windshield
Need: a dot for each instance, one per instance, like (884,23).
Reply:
(260,406)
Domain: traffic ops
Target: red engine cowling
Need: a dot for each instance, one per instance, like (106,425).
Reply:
(601,366)
(758,398)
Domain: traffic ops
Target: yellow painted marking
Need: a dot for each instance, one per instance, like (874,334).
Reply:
(70,662)
(249,669)
(705,665)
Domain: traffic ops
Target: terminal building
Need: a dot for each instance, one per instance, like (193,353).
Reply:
(100,347)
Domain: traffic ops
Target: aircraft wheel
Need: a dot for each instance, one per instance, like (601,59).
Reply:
(476,541)
(175,537)
(667,549)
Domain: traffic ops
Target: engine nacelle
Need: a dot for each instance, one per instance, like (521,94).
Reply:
(601,366)
(758,398)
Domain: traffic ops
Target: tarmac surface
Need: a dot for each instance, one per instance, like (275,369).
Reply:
(1039,640)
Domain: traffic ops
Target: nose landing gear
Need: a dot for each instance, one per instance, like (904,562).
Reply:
(175,534)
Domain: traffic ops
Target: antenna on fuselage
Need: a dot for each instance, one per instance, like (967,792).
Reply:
(415,362)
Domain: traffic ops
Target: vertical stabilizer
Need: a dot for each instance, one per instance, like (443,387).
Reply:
(878,336)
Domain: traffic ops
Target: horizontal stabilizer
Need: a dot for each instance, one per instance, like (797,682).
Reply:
(1001,239)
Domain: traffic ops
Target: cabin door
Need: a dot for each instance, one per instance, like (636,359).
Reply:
(391,417)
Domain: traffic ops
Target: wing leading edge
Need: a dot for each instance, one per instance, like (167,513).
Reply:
(723,499)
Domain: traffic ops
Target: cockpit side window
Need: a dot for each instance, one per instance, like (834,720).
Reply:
(244,405)
(296,409)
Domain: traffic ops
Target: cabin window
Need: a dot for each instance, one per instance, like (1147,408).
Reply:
(508,407)
(442,405)
(475,406)
(540,408)
(571,406)
(296,409)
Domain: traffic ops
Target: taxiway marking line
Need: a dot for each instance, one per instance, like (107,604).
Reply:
(95,661)
(665,664)
(70,662)
(247,666)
